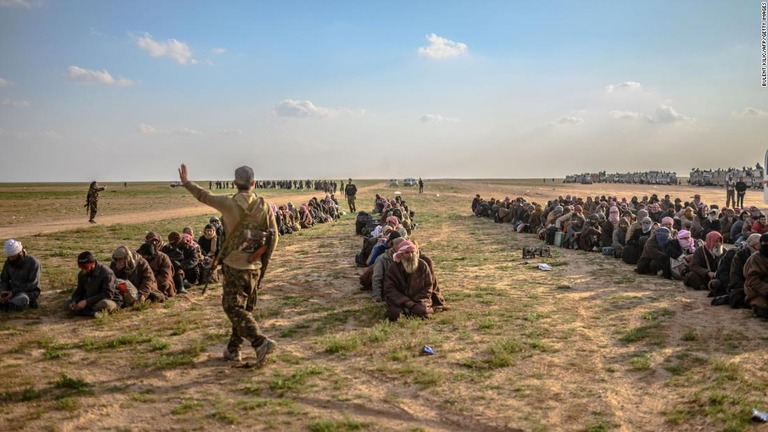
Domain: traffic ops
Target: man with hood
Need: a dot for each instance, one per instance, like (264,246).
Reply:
(162,268)
(134,268)
(251,230)
(705,261)
(654,260)
(756,283)
(382,264)
(20,279)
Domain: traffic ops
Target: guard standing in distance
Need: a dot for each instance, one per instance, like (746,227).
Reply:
(351,191)
(92,200)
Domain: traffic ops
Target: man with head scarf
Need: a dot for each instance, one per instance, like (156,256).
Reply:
(734,292)
(20,279)
(654,260)
(382,264)
(408,284)
(705,261)
(756,283)
(680,252)
(134,268)
(711,222)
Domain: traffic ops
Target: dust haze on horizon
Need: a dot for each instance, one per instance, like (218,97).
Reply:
(127,91)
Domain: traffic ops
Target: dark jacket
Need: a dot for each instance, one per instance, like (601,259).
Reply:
(704,262)
(756,283)
(100,284)
(737,277)
(162,268)
(22,277)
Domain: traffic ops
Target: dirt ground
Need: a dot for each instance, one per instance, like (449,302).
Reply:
(578,366)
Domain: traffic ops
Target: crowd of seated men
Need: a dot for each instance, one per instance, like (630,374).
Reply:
(669,238)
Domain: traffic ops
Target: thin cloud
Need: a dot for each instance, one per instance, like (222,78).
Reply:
(26,4)
(176,50)
(301,109)
(437,118)
(147,129)
(218,51)
(78,74)
(5,83)
(569,120)
(229,131)
(664,114)
(442,48)
(627,85)
(15,102)
(750,112)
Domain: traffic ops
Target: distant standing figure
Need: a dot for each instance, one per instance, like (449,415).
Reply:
(351,191)
(421,185)
(741,190)
(92,200)
(730,192)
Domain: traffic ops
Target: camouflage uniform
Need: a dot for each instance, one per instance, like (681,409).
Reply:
(92,200)
(240,275)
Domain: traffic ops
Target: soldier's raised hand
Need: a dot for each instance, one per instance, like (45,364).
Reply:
(183,176)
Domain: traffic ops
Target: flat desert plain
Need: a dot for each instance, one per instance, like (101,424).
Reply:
(588,346)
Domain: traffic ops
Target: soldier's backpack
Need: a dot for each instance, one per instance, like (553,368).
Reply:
(252,238)
(368,244)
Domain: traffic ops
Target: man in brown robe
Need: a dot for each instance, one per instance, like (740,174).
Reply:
(408,284)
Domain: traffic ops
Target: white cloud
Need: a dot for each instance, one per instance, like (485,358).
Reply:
(27,4)
(750,112)
(628,115)
(78,74)
(664,115)
(5,83)
(569,120)
(148,129)
(437,118)
(301,109)
(16,103)
(145,128)
(627,85)
(667,114)
(172,48)
(440,48)
(218,51)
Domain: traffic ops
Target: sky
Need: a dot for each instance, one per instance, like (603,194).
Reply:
(129,90)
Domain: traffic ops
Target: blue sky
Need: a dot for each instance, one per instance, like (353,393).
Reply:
(117,91)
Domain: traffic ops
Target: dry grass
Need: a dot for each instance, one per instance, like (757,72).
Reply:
(587,346)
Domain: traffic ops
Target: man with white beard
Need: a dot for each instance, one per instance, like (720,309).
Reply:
(408,284)
(705,261)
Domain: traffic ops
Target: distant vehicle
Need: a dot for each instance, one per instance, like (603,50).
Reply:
(410,182)
(393,183)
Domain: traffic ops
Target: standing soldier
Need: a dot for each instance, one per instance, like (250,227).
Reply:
(251,238)
(741,190)
(350,191)
(730,191)
(92,199)
(421,185)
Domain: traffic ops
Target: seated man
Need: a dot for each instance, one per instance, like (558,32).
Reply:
(20,279)
(756,283)
(96,291)
(408,284)
(654,259)
(208,242)
(704,262)
(134,268)
(734,292)
(162,268)
(382,264)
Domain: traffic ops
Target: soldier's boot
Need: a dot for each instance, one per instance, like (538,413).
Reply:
(233,356)
(266,347)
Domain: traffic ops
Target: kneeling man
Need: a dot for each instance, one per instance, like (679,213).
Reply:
(408,284)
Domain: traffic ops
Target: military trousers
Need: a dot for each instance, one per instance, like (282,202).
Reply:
(238,301)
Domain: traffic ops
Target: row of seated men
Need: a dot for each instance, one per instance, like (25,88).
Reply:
(397,272)
(154,272)
(683,244)
(291,219)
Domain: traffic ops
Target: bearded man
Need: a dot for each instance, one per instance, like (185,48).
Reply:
(756,284)
(162,268)
(20,279)
(705,261)
(408,284)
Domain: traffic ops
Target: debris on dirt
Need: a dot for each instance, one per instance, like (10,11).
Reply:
(426,349)
(544,267)
(761,416)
